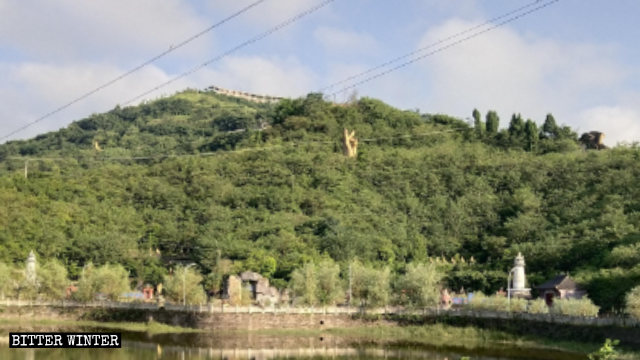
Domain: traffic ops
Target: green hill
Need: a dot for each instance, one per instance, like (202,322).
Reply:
(201,177)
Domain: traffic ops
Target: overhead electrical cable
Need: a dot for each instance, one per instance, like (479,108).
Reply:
(432,45)
(234,49)
(148,62)
(440,49)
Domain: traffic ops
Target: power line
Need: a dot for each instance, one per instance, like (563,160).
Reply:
(234,49)
(440,49)
(122,76)
(441,41)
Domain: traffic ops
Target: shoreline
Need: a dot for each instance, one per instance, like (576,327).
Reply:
(426,337)
(425,330)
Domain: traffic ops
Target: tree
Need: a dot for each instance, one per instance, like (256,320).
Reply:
(550,128)
(516,126)
(633,302)
(370,287)
(6,286)
(23,287)
(87,284)
(109,280)
(478,124)
(420,285)
(184,285)
(112,280)
(304,283)
(52,278)
(214,281)
(261,262)
(531,135)
(152,271)
(492,122)
(317,284)
(329,289)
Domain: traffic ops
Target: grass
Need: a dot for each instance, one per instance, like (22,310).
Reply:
(150,327)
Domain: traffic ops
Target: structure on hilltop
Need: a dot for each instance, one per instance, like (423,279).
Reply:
(593,140)
(245,95)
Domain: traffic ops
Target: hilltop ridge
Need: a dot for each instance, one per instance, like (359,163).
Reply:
(203,177)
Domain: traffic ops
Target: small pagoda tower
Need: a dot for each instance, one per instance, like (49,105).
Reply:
(517,287)
(31,268)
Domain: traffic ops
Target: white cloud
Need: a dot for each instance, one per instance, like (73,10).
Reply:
(509,72)
(34,89)
(276,77)
(115,30)
(268,13)
(341,41)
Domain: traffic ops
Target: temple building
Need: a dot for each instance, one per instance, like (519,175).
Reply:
(256,286)
(561,287)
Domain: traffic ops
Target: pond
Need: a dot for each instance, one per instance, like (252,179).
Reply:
(196,346)
(291,344)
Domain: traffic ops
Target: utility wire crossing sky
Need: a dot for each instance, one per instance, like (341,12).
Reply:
(576,59)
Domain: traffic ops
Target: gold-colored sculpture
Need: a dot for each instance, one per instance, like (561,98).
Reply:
(349,144)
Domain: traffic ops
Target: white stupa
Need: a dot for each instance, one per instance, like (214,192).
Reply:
(517,287)
(31,268)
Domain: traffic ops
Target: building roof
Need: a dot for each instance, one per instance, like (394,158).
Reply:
(560,282)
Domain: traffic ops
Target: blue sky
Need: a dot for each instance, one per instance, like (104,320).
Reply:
(577,59)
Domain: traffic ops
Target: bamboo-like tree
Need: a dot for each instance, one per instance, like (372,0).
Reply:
(420,285)
(370,286)
(492,122)
(52,278)
(184,285)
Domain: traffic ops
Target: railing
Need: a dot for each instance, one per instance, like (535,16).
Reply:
(330,310)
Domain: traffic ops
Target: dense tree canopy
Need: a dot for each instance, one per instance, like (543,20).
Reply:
(203,178)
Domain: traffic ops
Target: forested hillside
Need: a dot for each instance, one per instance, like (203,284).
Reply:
(200,177)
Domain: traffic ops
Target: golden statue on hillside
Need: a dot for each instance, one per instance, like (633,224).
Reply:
(349,144)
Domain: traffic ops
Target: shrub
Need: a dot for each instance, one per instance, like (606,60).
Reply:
(518,305)
(575,307)
(491,303)
(477,301)
(538,306)
(606,352)
(633,302)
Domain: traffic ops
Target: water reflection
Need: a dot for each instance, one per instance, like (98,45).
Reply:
(174,352)
(251,346)
(144,351)
(149,351)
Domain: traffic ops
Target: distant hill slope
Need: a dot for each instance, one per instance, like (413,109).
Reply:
(264,184)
